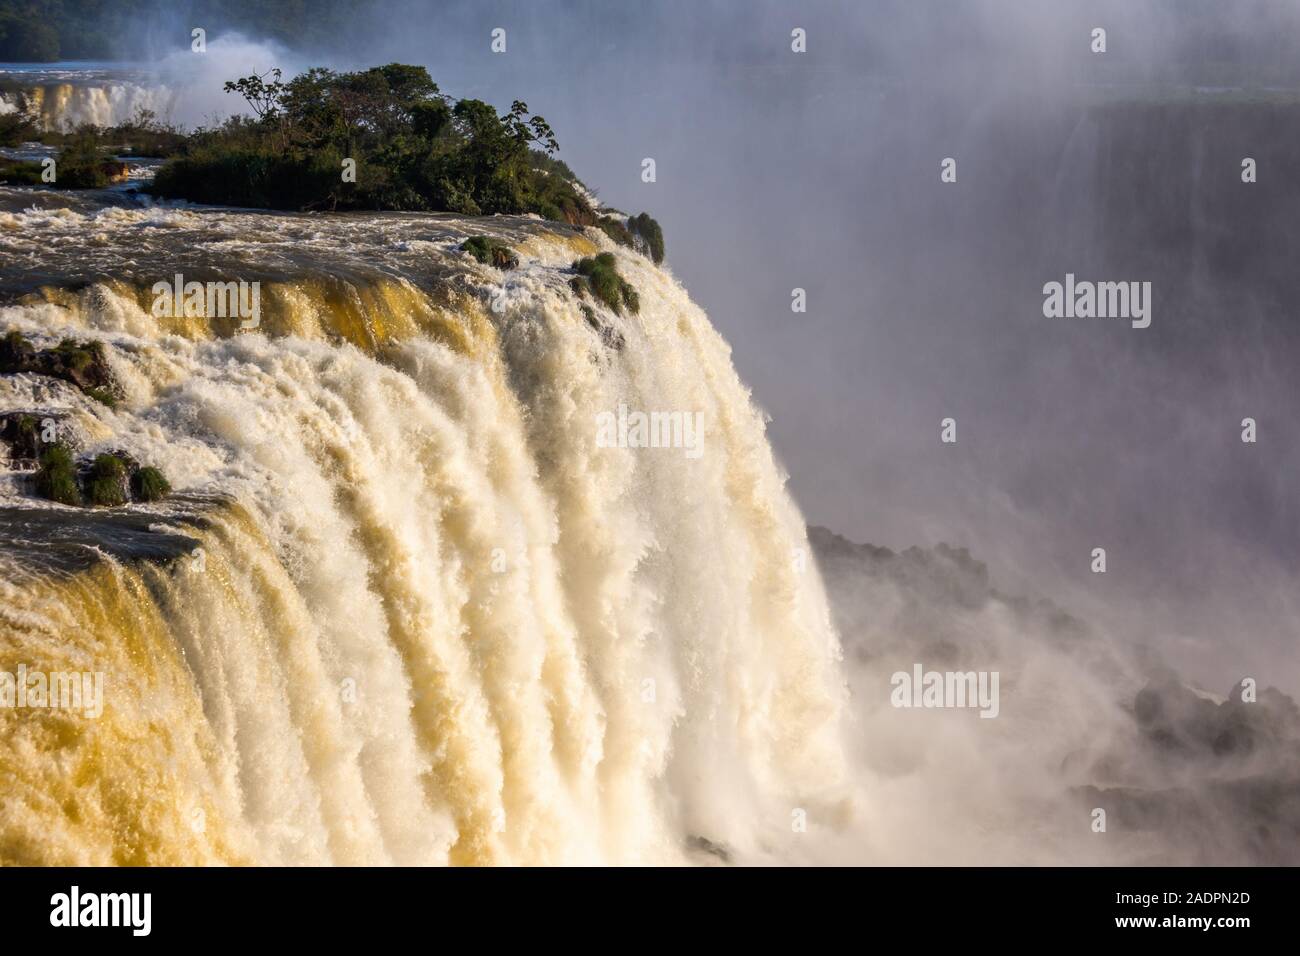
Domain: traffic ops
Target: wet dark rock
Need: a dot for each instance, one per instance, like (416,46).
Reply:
(491,252)
(610,337)
(20,434)
(701,844)
(942,574)
(83,364)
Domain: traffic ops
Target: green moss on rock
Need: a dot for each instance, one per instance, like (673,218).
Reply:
(57,477)
(148,484)
(640,232)
(108,481)
(616,231)
(650,233)
(491,252)
(83,364)
(598,276)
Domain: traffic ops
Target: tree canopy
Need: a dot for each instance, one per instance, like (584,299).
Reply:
(411,146)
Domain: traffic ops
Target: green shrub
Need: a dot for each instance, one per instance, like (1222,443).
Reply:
(641,233)
(81,165)
(84,364)
(617,231)
(107,482)
(649,232)
(492,252)
(57,477)
(20,173)
(17,128)
(148,484)
(598,276)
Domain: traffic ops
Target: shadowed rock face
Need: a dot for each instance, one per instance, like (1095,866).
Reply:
(20,443)
(1189,776)
(1183,726)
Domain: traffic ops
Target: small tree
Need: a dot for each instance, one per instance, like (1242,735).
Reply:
(264,99)
(526,131)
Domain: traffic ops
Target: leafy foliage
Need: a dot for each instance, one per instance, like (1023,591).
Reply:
(19,173)
(17,128)
(598,276)
(142,135)
(107,483)
(81,165)
(414,149)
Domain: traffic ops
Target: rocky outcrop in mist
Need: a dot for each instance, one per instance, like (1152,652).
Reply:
(1185,775)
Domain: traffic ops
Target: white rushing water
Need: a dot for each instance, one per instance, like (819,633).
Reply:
(64,106)
(435,621)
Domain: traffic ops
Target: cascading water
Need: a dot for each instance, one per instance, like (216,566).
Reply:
(411,610)
(63,103)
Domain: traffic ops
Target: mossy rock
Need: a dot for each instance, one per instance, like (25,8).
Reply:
(57,477)
(148,484)
(491,252)
(103,396)
(630,298)
(610,337)
(15,350)
(616,231)
(598,276)
(83,364)
(648,232)
(640,232)
(108,483)
(22,433)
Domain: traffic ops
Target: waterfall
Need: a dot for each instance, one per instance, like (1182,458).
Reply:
(65,106)
(421,615)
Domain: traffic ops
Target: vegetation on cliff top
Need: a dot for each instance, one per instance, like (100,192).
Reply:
(382,138)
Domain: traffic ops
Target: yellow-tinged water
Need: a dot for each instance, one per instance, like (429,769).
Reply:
(435,621)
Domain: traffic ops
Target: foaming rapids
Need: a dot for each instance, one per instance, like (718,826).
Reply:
(418,614)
